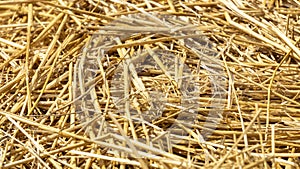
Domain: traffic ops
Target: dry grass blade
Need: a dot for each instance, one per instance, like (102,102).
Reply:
(44,56)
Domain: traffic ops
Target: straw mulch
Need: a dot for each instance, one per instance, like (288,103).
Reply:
(257,42)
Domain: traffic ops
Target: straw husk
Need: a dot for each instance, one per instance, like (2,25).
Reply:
(257,44)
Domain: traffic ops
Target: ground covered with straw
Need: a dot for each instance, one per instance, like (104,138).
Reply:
(43,92)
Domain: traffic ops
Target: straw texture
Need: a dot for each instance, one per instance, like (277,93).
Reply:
(257,45)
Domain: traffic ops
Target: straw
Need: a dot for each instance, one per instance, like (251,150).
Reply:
(255,44)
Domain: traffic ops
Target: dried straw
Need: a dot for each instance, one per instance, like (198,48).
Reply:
(258,45)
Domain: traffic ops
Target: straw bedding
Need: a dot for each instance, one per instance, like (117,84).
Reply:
(43,94)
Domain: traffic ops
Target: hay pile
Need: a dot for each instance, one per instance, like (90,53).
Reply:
(41,45)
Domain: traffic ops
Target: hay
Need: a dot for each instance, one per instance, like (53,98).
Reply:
(41,46)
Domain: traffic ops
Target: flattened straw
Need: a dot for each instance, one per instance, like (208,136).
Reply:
(270,87)
(43,154)
(79,10)
(55,56)
(27,64)
(19,2)
(255,54)
(250,32)
(13,44)
(13,82)
(29,149)
(265,88)
(269,26)
(21,25)
(37,39)
(129,67)
(127,80)
(136,80)
(6,57)
(120,160)
(161,65)
(71,14)
(132,147)
(221,161)
(273,143)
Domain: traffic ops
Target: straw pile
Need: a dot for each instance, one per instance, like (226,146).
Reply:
(257,44)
